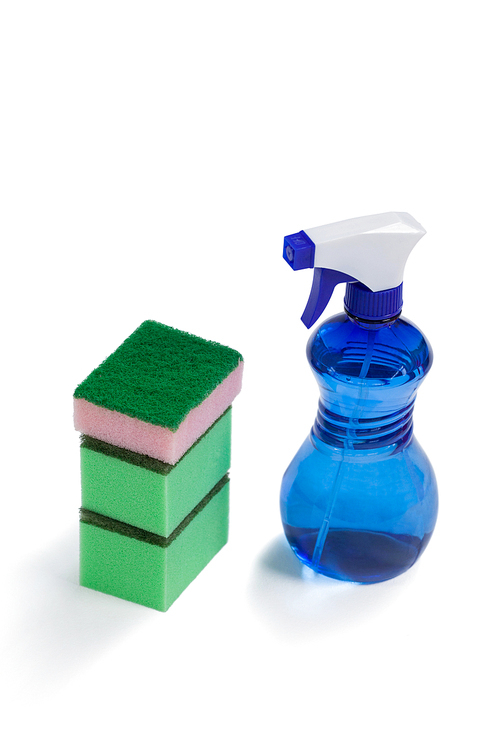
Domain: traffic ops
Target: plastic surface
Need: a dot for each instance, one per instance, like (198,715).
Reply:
(370,249)
(359,500)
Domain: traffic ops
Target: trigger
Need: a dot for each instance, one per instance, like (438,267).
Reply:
(324,282)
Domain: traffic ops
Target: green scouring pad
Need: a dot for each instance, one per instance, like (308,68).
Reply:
(150,569)
(158,392)
(148,493)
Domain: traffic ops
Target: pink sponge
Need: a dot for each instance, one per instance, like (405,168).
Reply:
(152,440)
(158,392)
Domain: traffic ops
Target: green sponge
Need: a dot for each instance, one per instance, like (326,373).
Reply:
(148,493)
(149,569)
(158,392)
(159,374)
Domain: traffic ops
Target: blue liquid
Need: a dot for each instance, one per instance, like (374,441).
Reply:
(362,556)
(359,500)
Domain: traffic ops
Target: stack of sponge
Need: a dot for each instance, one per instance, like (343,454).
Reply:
(155,419)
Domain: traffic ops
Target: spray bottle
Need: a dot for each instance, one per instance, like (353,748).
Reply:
(359,500)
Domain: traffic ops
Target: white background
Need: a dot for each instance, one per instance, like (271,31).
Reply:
(153,155)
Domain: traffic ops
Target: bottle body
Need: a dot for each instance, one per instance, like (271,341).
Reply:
(359,500)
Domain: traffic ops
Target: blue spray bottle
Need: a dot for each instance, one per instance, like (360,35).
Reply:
(359,500)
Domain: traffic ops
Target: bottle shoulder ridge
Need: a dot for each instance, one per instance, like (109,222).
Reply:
(340,346)
(417,339)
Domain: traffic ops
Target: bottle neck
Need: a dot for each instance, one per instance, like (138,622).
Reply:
(371,325)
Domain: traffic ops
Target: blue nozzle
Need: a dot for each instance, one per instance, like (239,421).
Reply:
(298,251)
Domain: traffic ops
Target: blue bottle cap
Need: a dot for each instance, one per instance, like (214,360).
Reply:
(361,302)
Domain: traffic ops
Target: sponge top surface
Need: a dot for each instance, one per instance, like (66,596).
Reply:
(159,374)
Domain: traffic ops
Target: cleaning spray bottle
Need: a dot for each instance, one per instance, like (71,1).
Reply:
(359,500)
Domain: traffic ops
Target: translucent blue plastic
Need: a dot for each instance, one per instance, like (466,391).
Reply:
(359,500)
